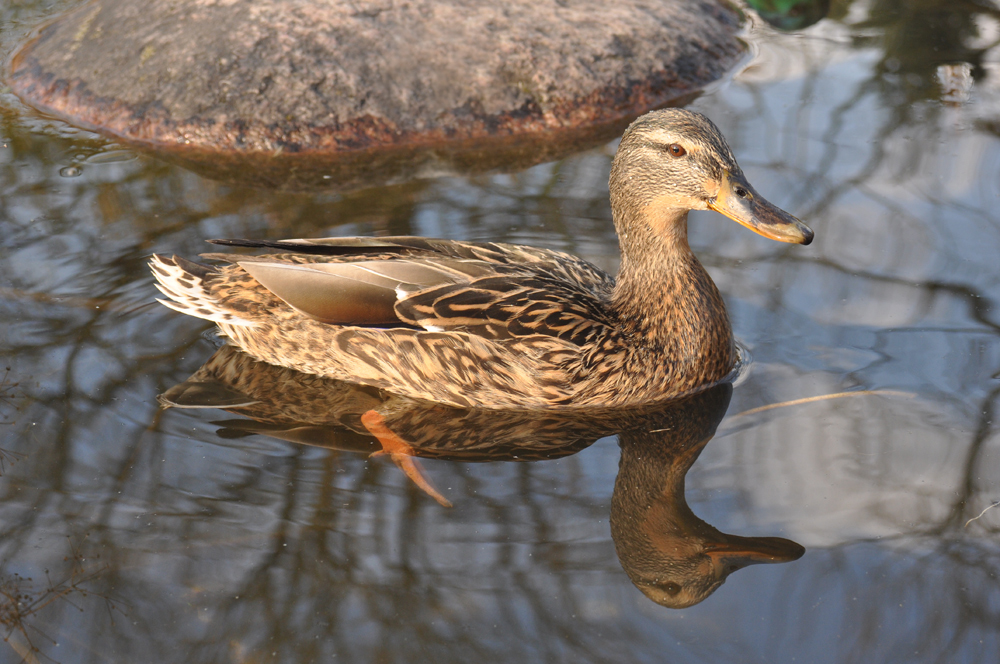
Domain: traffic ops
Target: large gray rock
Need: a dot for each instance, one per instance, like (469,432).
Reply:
(328,75)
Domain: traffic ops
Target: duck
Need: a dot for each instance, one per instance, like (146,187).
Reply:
(502,326)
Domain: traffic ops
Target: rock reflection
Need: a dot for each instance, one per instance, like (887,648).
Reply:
(351,171)
(672,556)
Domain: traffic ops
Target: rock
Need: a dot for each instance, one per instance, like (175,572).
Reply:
(268,75)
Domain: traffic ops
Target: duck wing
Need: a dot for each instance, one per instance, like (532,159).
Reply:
(508,306)
(492,290)
(560,265)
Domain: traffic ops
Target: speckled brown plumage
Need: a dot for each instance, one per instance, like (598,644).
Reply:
(502,326)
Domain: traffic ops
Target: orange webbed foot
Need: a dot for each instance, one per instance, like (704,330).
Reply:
(401,454)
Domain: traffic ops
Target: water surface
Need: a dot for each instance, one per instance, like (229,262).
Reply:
(198,542)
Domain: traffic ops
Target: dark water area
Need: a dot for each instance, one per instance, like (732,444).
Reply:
(132,533)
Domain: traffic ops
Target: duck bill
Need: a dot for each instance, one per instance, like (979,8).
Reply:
(754,212)
(739,552)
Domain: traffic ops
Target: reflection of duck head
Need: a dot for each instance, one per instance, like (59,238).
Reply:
(674,557)
(671,555)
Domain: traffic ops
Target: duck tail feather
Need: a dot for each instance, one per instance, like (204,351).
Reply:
(184,284)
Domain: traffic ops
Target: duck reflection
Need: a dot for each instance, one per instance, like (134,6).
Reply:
(672,556)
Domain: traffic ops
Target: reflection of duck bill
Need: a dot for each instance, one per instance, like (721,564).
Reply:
(684,571)
(737,552)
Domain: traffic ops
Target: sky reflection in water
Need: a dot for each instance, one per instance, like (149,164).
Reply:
(868,126)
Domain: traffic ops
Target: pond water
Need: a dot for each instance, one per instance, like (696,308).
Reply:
(130,533)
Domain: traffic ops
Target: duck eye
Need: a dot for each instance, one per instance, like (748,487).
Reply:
(672,588)
(676,150)
(742,193)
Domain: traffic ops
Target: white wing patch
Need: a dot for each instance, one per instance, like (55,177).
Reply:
(187,293)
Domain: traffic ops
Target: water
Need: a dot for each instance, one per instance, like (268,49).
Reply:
(877,126)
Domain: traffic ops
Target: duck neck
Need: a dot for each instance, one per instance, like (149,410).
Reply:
(664,299)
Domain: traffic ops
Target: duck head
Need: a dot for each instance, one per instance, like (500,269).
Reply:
(671,161)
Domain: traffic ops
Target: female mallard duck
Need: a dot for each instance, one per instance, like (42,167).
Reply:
(505,326)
